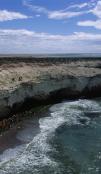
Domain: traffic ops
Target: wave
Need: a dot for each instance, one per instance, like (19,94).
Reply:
(34,156)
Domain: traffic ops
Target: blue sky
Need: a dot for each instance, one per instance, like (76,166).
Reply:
(50,26)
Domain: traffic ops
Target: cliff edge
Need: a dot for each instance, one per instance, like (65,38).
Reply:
(29,82)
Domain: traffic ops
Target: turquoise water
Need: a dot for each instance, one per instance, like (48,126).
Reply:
(67,141)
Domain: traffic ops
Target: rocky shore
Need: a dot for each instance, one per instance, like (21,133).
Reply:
(26,82)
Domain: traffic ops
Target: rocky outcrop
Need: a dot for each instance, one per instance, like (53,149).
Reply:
(27,84)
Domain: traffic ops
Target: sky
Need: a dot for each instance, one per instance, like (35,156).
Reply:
(50,26)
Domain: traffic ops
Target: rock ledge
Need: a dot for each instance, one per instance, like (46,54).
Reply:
(25,83)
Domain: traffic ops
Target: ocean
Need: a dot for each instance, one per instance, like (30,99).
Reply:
(64,139)
(61,55)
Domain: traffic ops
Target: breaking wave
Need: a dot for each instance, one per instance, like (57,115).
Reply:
(35,156)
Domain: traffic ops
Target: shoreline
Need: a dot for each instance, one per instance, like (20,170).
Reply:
(12,137)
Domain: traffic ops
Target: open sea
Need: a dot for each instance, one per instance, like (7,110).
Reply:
(64,139)
(64,55)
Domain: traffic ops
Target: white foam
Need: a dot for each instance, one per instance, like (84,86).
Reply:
(11,153)
(35,153)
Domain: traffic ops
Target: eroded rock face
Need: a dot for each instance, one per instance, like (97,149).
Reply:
(23,84)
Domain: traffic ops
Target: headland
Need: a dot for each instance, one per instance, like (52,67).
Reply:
(30,81)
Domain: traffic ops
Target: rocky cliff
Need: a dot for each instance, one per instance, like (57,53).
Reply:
(26,83)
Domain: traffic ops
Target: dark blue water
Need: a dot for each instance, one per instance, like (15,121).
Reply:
(68,141)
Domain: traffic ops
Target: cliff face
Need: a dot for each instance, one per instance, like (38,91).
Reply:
(27,83)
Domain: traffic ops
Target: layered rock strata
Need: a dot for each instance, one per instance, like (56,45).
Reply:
(28,83)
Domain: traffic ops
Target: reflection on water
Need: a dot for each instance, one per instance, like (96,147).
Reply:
(66,140)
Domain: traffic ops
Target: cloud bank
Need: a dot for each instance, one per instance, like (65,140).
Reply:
(25,41)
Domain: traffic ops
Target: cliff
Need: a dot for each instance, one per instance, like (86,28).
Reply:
(26,82)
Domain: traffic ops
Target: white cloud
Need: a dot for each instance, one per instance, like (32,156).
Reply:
(91,23)
(57,14)
(87,36)
(97,10)
(35,8)
(8,15)
(63,15)
(96,24)
(11,32)
(46,36)
(25,41)
(82,5)
(92,7)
